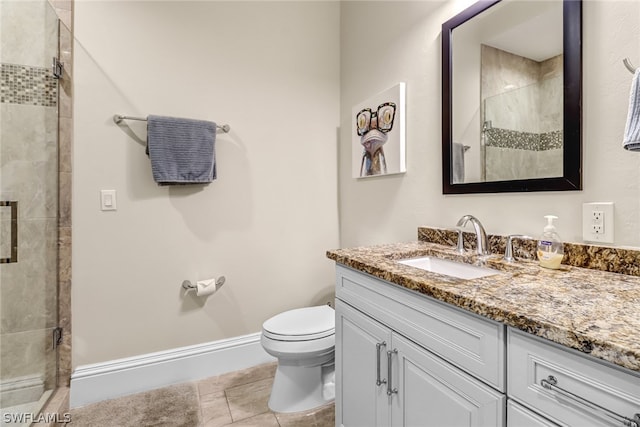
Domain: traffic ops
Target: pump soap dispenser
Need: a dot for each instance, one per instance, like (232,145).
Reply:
(550,250)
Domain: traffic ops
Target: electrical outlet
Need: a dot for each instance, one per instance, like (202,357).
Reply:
(598,217)
(597,222)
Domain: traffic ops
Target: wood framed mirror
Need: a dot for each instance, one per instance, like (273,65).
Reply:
(512,97)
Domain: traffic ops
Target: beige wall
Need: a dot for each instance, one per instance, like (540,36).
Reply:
(279,74)
(269,70)
(386,209)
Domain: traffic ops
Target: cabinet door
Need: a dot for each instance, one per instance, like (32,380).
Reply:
(474,344)
(361,401)
(431,392)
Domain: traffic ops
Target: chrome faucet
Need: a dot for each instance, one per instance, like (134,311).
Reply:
(482,246)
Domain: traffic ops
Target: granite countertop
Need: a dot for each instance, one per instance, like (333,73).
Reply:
(592,311)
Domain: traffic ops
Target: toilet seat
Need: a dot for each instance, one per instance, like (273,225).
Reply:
(301,324)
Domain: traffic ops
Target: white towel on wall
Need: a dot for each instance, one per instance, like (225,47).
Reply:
(632,129)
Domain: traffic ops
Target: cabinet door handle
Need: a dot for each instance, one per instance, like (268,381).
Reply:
(550,383)
(13,257)
(390,390)
(379,345)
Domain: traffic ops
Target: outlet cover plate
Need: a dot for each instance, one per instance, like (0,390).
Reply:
(598,222)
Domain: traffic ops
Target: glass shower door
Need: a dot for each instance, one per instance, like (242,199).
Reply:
(28,206)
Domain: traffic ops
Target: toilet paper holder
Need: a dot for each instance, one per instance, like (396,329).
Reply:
(186,284)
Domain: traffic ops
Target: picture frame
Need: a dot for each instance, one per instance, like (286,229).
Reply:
(378,134)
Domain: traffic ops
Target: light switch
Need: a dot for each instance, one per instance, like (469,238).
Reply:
(108,200)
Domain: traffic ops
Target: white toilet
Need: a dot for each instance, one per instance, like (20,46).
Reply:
(303,341)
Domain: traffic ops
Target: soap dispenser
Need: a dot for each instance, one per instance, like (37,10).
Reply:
(550,250)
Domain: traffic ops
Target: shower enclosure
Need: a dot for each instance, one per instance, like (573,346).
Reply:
(29,333)
(521,116)
(522,132)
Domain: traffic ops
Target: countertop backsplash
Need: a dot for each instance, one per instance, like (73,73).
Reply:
(603,258)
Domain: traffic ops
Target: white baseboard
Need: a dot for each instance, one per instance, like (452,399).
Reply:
(121,377)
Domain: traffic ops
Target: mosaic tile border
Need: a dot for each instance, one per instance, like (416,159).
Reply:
(22,84)
(506,138)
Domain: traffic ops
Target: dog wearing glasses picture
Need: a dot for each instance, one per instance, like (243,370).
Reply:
(373,127)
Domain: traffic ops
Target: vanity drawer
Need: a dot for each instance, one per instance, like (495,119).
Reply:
(470,342)
(519,416)
(583,391)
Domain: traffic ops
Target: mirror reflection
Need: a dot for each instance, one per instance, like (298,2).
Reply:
(506,113)
(521,111)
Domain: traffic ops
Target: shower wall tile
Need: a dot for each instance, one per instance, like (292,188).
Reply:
(549,163)
(25,354)
(551,106)
(509,163)
(28,33)
(64,307)
(508,138)
(551,68)
(534,86)
(64,210)
(61,4)
(521,145)
(65,107)
(28,133)
(64,277)
(28,293)
(29,157)
(21,84)
(66,50)
(30,182)
(501,68)
(64,148)
(64,360)
(64,8)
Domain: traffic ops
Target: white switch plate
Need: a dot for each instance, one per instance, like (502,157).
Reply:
(108,200)
(598,222)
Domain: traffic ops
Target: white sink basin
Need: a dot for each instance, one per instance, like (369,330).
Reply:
(447,267)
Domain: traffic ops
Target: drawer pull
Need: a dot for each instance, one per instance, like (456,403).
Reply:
(391,390)
(550,383)
(379,381)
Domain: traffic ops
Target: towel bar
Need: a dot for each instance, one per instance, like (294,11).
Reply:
(118,118)
(629,65)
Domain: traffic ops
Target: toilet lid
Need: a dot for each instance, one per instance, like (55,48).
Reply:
(301,324)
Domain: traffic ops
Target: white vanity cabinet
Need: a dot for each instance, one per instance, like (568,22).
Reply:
(404,359)
(387,370)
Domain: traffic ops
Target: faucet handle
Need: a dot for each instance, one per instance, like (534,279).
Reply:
(508,251)
(460,244)
(460,241)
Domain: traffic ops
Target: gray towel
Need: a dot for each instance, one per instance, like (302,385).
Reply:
(632,129)
(182,151)
(457,163)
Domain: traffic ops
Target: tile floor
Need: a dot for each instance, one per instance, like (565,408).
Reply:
(239,399)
